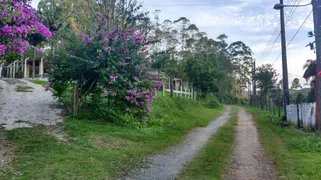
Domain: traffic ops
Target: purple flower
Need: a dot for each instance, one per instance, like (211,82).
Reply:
(136,79)
(127,109)
(2,49)
(110,83)
(47,87)
(106,91)
(107,48)
(114,78)
(54,25)
(6,30)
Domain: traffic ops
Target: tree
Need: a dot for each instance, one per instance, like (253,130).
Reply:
(111,59)
(296,84)
(20,27)
(266,77)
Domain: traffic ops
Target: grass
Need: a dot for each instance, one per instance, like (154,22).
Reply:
(296,154)
(100,150)
(40,82)
(23,89)
(213,159)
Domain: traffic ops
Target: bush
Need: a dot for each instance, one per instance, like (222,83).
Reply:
(244,101)
(213,104)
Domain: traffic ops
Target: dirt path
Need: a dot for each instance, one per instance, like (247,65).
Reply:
(168,165)
(249,161)
(31,107)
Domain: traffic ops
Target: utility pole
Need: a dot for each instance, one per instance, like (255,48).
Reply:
(254,84)
(317,29)
(284,62)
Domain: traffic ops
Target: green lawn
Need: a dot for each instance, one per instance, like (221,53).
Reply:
(297,155)
(97,150)
(212,160)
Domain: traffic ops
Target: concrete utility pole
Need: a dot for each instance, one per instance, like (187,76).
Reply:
(254,84)
(284,62)
(317,29)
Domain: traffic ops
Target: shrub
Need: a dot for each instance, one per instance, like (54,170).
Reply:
(213,104)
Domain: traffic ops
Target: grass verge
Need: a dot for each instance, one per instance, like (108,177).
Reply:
(212,160)
(296,154)
(100,150)
(39,82)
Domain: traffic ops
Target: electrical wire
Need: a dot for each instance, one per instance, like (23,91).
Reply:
(289,16)
(296,33)
(270,45)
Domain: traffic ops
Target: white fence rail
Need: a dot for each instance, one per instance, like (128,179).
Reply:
(181,93)
(303,114)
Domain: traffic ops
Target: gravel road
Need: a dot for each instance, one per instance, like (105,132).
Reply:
(26,109)
(168,165)
(249,161)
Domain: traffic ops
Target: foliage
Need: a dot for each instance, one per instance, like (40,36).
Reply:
(20,27)
(213,104)
(266,77)
(296,84)
(311,95)
(111,59)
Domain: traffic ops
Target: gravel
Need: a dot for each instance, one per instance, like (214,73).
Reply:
(168,165)
(249,161)
(26,109)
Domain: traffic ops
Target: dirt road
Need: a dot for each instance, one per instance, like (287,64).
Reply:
(168,165)
(249,161)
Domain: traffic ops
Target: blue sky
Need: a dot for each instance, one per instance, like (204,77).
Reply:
(251,21)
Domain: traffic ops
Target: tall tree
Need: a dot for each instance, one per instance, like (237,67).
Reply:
(266,77)
(296,84)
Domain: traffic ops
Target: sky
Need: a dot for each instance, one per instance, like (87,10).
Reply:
(250,21)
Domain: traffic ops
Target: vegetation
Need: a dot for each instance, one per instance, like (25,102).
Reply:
(23,89)
(40,82)
(213,159)
(100,150)
(296,154)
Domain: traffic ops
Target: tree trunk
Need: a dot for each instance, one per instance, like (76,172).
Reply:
(269,104)
(171,87)
(279,107)
(75,100)
(261,103)
(273,106)
(298,114)
(266,103)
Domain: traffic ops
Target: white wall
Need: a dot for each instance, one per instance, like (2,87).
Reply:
(306,114)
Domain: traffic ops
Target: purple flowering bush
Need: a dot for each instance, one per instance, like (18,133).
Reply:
(109,62)
(18,22)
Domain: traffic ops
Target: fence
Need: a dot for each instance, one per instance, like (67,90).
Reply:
(302,115)
(181,93)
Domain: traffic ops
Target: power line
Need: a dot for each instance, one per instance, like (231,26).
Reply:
(296,33)
(289,16)
(269,47)
(209,4)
